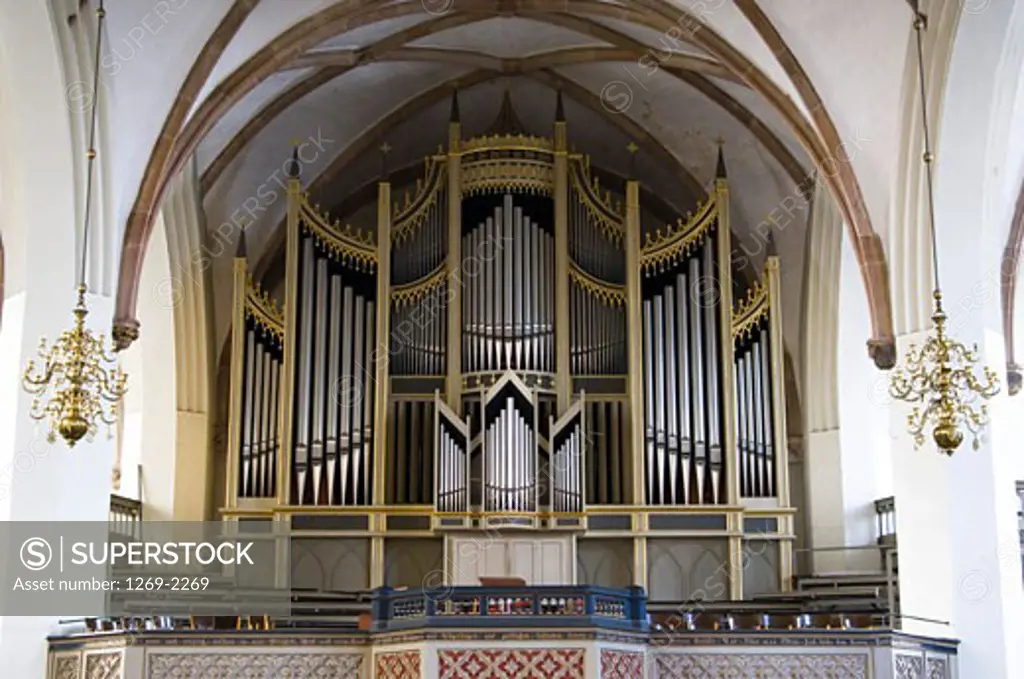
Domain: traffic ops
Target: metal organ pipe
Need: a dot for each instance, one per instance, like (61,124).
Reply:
(247,395)
(653,497)
(356,393)
(752,426)
(265,445)
(766,411)
(346,382)
(275,396)
(696,333)
(659,398)
(319,345)
(682,297)
(741,423)
(305,358)
(520,275)
(671,389)
(714,392)
(365,398)
(333,354)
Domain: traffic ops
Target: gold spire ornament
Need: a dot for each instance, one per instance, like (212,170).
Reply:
(938,377)
(77,383)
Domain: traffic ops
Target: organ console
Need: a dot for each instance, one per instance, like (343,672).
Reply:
(513,345)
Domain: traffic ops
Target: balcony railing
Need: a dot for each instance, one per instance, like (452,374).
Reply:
(885,520)
(581,606)
(125,516)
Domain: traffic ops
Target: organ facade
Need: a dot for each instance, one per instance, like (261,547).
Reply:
(515,372)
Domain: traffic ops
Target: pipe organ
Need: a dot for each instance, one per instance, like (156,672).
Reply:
(510,346)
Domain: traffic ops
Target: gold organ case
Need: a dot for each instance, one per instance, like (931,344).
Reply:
(516,348)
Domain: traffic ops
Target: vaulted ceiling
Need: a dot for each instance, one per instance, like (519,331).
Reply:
(777,81)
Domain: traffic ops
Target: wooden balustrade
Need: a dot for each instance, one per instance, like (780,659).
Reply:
(125,516)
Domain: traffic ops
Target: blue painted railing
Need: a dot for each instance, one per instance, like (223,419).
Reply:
(557,606)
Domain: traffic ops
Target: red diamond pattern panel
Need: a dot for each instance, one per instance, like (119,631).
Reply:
(399,665)
(621,664)
(514,663)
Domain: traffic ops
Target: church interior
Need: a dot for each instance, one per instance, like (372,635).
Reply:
(619,339)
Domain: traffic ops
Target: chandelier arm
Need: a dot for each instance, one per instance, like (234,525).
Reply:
(43,380)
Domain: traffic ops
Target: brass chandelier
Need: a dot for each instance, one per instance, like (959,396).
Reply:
(938,377)
(77,382)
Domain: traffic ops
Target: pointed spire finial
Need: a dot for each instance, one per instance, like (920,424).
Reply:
(559,108)
(292,168)
(770,249)
(385,149)
(720,172)
(632,148)
(454,117)
(242,251)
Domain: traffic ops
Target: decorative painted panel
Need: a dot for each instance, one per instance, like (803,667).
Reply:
(938,668)
(909,667)
(761,666)
(398,665)
(103,666)
(254,665)
(513,663)
(67,667)
(621,664)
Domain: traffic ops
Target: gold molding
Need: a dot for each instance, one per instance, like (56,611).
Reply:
(608,217)
(411,217)
(410,293)
(608,293)
(262,309)
(528,175)
(507,142)
(750,310)
(347,244)
(678,239)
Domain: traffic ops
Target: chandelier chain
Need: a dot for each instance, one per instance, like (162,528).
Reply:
(920,23)
(90,154)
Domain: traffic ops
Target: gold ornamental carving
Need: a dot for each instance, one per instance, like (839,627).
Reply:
(608,217)
(507,142)
(349,246)
(526,175)
(409,218)
(667,246)
(263,310)
(410,293)
(750,310)
(608,293)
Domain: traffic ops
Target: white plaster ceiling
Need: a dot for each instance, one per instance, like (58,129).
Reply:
(507,37)
(371,33)
(860,88)
(334,114)
(250,105)
(661,42)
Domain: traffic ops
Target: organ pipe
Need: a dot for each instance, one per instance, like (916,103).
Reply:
(509,452)
(759,427)
(568,450)
(329,361)
(257,335)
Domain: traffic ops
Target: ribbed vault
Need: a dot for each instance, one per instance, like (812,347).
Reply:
(671,76)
